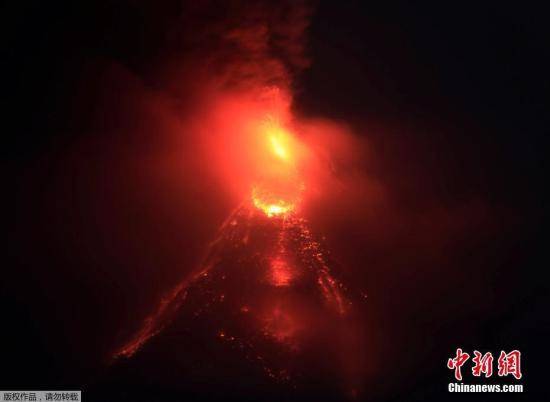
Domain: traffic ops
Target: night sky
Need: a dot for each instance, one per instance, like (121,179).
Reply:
(448,102)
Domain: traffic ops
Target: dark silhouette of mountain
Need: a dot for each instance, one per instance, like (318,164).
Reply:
(264,318)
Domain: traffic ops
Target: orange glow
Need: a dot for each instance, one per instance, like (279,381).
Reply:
(278,188)
(279,139)
(256,145)
(278,148)
(276,198)
(271,207)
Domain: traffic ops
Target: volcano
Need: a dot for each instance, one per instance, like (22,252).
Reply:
(263,316)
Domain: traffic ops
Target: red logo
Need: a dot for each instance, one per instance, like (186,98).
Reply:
(508,364)
(458,362)
(483,364)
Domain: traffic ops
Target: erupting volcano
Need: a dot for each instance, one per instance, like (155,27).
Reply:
(265,298)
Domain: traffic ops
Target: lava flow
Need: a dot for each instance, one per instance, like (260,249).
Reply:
(266,289)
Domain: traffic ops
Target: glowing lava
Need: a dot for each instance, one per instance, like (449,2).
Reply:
(278,148)
(271,203)
(279,191)
(281,274)
(279,139)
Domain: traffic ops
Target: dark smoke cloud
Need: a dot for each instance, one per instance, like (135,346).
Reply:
(242,45)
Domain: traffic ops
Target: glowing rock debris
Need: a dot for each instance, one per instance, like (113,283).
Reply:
(285,259)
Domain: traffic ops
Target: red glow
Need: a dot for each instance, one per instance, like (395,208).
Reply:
(255,149)
(281,274)
(281,325)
